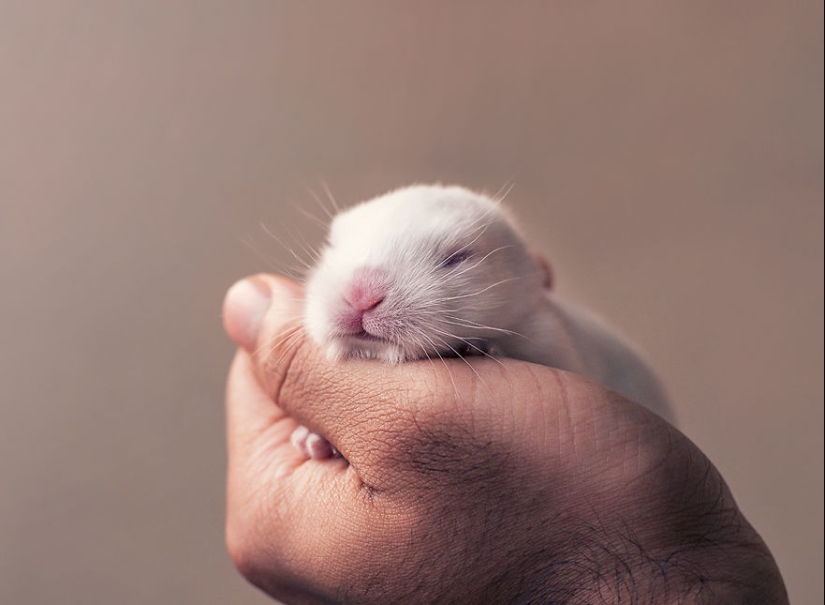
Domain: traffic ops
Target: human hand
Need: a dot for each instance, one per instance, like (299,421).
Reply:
(465,481)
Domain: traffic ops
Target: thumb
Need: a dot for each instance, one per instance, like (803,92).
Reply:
(248,302)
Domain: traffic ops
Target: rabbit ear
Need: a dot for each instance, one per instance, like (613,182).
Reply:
(544,266)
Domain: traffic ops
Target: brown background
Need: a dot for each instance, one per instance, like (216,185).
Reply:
(666,155)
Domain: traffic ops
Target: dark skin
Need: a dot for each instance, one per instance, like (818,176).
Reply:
(482,481)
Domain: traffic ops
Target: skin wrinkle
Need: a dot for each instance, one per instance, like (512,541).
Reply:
(266,445)
(510,427)
(564,416)
(261,423)
(290,335)
(630,464)
(509,396)
(635,464)
(280,367)
(664,457)
(474,399)
(494,507)
(474,410)
(543,406)
(348,398)
(294,382)
(260,443)
(638,460)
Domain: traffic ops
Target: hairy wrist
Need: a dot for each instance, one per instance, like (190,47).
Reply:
(597,568)
(622,571)
(702,553)
(599,558)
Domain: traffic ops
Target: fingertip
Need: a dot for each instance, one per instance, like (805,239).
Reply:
(249,300)
(244,307)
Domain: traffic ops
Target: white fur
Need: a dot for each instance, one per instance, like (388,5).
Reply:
(409,233)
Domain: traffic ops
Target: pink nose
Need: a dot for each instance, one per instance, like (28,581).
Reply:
(367,288)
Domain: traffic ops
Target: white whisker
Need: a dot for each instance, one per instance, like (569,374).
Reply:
(329,212)
(467,323)
(507,187)
(330,196)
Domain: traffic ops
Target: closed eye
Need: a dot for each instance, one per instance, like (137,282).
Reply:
(454,259)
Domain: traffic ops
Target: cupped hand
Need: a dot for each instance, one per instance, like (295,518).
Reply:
(464,481)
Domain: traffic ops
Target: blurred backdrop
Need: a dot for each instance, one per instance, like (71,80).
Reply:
(666,156)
